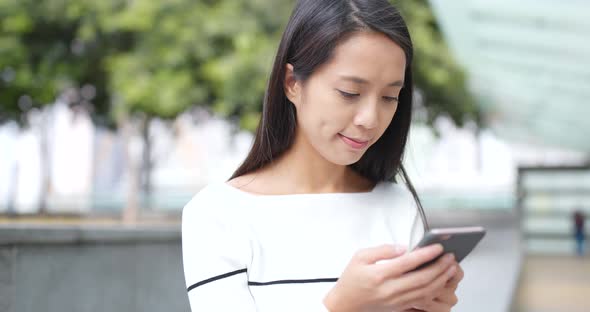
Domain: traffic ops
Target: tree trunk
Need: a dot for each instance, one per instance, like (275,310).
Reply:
(478,141)
(147,163)
(10,206)
(140,172)
(131,209)
(479,152)
(45,161)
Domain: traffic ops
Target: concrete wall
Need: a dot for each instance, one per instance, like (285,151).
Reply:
(86,270)
(82,269)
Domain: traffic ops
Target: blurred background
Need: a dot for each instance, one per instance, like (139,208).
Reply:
(114,113)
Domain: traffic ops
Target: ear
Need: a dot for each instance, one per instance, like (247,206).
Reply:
(292,86)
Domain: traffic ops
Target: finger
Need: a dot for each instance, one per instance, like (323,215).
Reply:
(413,259)
(458,277)
(425,276)
(374,254)
(452,287)
(404,291)
(399,251)
(433,306)
(447,296)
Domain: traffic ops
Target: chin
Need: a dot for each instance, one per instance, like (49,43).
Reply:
(345,160)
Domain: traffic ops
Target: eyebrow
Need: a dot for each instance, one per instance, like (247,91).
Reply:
(398,83)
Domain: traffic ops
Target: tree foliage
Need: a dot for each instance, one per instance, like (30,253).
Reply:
(160,58)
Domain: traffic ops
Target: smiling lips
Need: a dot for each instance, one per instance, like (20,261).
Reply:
(354,143)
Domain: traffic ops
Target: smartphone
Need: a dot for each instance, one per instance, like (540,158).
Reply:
(459,240)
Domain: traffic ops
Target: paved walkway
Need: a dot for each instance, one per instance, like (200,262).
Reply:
(554,284)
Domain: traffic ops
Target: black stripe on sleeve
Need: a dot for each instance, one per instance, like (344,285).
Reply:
(215,278)
(305,281)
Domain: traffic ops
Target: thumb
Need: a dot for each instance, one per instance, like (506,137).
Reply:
(382,252)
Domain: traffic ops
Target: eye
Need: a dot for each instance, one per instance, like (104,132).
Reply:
(348,95)
(390,99)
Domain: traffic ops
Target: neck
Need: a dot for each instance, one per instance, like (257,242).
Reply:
(303,170)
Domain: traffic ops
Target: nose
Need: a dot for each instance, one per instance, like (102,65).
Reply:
(367,115)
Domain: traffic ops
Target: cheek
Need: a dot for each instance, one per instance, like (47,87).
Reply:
(334,122)
(321,127)
(325,117)
(337,115)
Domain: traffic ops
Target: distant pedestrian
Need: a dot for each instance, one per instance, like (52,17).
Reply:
(579,232)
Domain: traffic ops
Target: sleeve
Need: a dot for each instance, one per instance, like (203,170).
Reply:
(214,259)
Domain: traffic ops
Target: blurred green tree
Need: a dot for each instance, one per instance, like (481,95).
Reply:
(212,54)
(41,56)
(438,77)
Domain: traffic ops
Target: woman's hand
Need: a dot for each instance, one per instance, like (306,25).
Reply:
(379,279)
(447,298)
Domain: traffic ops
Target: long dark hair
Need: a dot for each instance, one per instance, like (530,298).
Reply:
(313,31)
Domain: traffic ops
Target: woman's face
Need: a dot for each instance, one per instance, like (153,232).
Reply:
(348,103)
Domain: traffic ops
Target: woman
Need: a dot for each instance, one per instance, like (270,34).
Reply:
(313,220)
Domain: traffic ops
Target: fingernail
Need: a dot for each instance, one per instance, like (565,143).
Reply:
(449,257)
